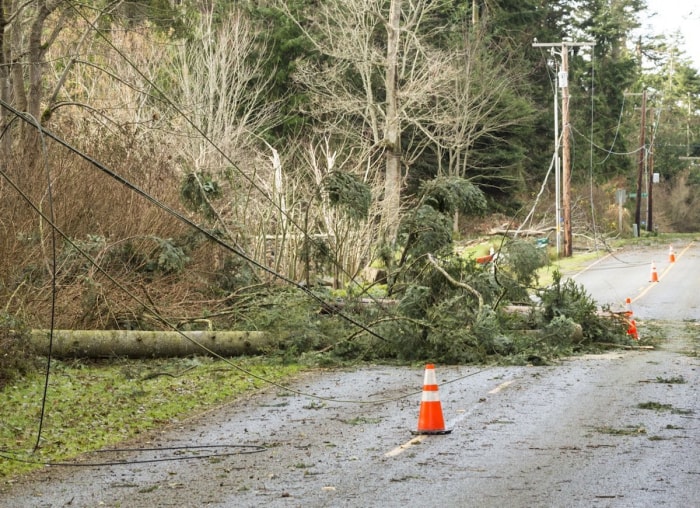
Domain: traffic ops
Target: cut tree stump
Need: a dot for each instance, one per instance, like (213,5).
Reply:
(149,344)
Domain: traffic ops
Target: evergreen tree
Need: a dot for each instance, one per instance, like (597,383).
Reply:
(674,88)
(601,77)
(286,46)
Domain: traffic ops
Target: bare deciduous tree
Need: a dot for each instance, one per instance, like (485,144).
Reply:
(475,104)
(220,84)
(392,127)
(382,83)
(375,75)
(25,37)
(314,236)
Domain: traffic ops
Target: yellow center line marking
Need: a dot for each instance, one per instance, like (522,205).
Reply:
(586,268)
(663,274)
(500,387)
(402,448)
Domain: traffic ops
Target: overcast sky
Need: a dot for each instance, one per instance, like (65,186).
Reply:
(673,16)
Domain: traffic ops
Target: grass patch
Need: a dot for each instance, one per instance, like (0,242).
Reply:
(678,380)
(93,405)
(566,265)
(315,405)
(677,411)
(361,420)
(657,406)
(630,430)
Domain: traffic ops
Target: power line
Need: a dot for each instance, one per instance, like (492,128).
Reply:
(208,234)
(7,454)
(161,96)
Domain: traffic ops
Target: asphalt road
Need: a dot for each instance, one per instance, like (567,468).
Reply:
(626,273)
(613,430)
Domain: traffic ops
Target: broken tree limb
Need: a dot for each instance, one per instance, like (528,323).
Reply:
(149,344)
(457,283)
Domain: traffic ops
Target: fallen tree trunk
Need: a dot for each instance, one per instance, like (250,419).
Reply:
(505,230)
(149,344)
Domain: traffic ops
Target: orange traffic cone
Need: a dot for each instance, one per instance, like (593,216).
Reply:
(632,330)
(430,420)
(628,307)
(653,277)
(671,254)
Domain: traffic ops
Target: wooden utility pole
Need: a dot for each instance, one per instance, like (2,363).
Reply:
(650,202)
(642,159)
(566,152)
(565,144)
